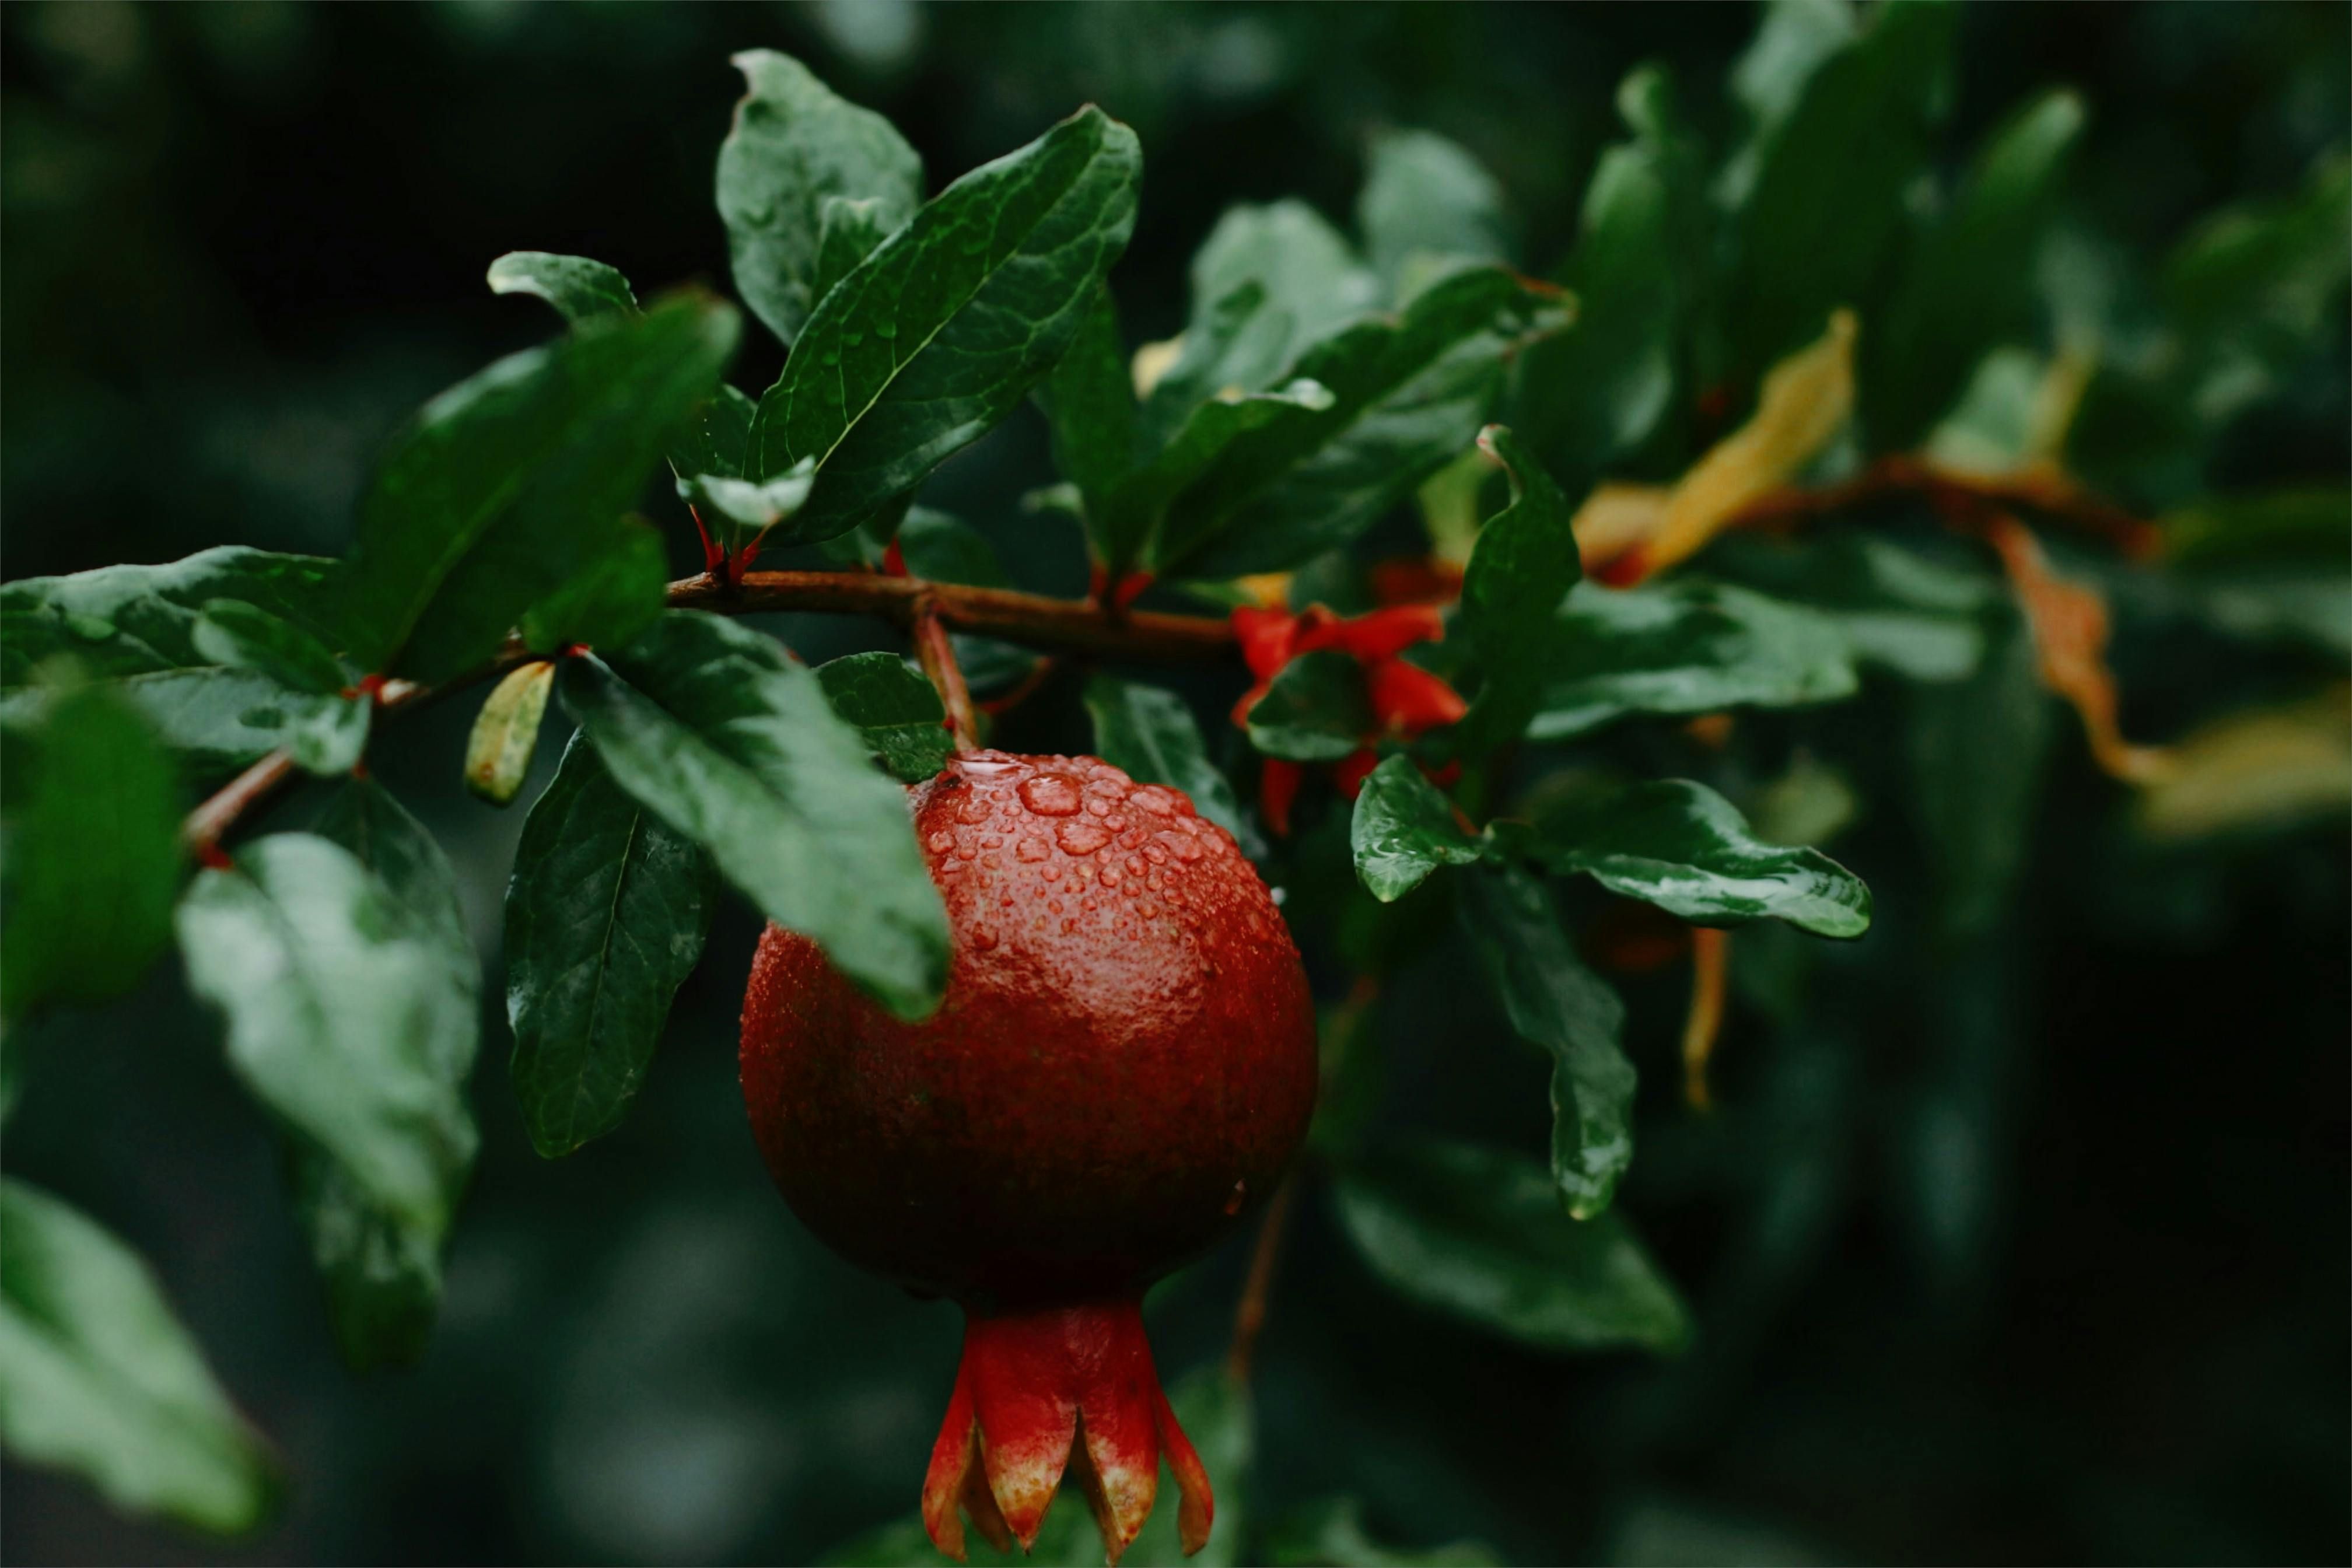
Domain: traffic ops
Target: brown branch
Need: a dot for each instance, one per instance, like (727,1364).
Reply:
(1249,1317)
(937,656)
(2045,490)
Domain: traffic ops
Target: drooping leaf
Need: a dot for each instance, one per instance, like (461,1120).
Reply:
(1333,1533)
(942,332)
(1090,406)
(345,1017)
(475,516)
(1966,282)
(1478,1234)
(1523,565)
(580,289)
(93,858)
(1686,646)
(1407,394)
(1426,200)
(605,917)
(795,144)
(1816,222)
(1316,709)
(1149,732)
(713,728)
(1555,1003)
(1683,847)
(1403,829)
(894,708)
(614,592)
(99,1377)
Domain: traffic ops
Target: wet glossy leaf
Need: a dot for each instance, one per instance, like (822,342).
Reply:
(949,323)
(94,858)
(98,1376)
(894,708)
(614,592)
(1523,565)
(1149,732)
(1403,829)
(1683,847)
(848,228)
(1426,199)
(473,518)
(579,288)
(1478,1234)
(605,917)
(1135,507)
(1090,406)
(1333,1533)
(713,728)
(245,637)
(1687,646)
(793,144)
(1555,1003)
(1316,711)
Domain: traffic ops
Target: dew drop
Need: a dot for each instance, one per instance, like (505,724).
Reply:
(1080,837)
(887,327)
(1155,854)
(991,842)
(984,937)
(1154,799)
(1188,850)
(1053,873)
(1148,909)
(1032,849)
(1135,865)
(1110,875)
(966,851)
(975,810)
(1050,795)
(1116,823)
(1098,806)
(941,842)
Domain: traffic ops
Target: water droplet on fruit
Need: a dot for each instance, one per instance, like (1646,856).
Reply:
(1080,837)
(1110,876)
(984,937)
(942,842)
(1098,806)
(1116,823)
(993,841)
(1188,850)
(1053,873)
(1155,854)
(1050,795)
(1032,849)
(986,767)
(1147,908)
(975,810)
(1135,865)
(966,851)
(1153,798)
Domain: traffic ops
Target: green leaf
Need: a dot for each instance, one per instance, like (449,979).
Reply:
(245,637)
(1333,1533)
(1477,1233)
(579,288)
(1316,709)
(1089,404)
(1976,750)
(345,1017)
(1403,829)
(1425,199)
(1555,1003)
(1686,646)
(1683,847)
(2252,286)
(739,512)
(506,732)
(1407,394)
(1968,280)
(895,710)
(1523,565)
(1136,507)
(2299,522)
(714,730)
(605,917)
(1826,200)
(848,230)
(943,330)
(98,1376)
(1595,392)
(474,517)
(617,590)
(93,858)
(1915,614)
(1148,731)
(794,144)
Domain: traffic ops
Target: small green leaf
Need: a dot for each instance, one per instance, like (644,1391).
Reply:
(1426,199)
(1148,731)
(94,858)
(245,637)
(1477,1233)
(1089,404)
(1687,646)
(1403,829)
(1333,1533)
(1523,565)
(895,710)
(617,590)
(1315,710)
(942,332)
(506,732)
(605,917)
(1683,847)
(794,145)
(474,517)
(738,511)
(342,1017)
(579,288)
(1555,1003)
(98,1376)
(713,728)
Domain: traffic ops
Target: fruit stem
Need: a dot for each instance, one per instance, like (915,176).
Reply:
(1249,1316)
(937,651)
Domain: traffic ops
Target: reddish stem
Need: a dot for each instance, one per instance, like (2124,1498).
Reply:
(938,654)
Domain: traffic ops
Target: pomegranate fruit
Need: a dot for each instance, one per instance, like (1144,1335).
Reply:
(1123,1063)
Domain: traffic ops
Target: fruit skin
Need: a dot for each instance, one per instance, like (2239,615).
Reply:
(1123,1061)
(1123,1064)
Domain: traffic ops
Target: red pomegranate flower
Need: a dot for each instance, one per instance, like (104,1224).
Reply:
(1123,1062)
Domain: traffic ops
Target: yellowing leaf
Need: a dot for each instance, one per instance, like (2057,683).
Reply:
(1806,397)
(506,732)
(2261,766)
(1153,361)
(1615,518)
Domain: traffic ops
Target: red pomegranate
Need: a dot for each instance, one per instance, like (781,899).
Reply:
(1124,1062)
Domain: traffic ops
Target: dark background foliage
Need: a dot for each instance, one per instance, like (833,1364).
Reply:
(2034,1249)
